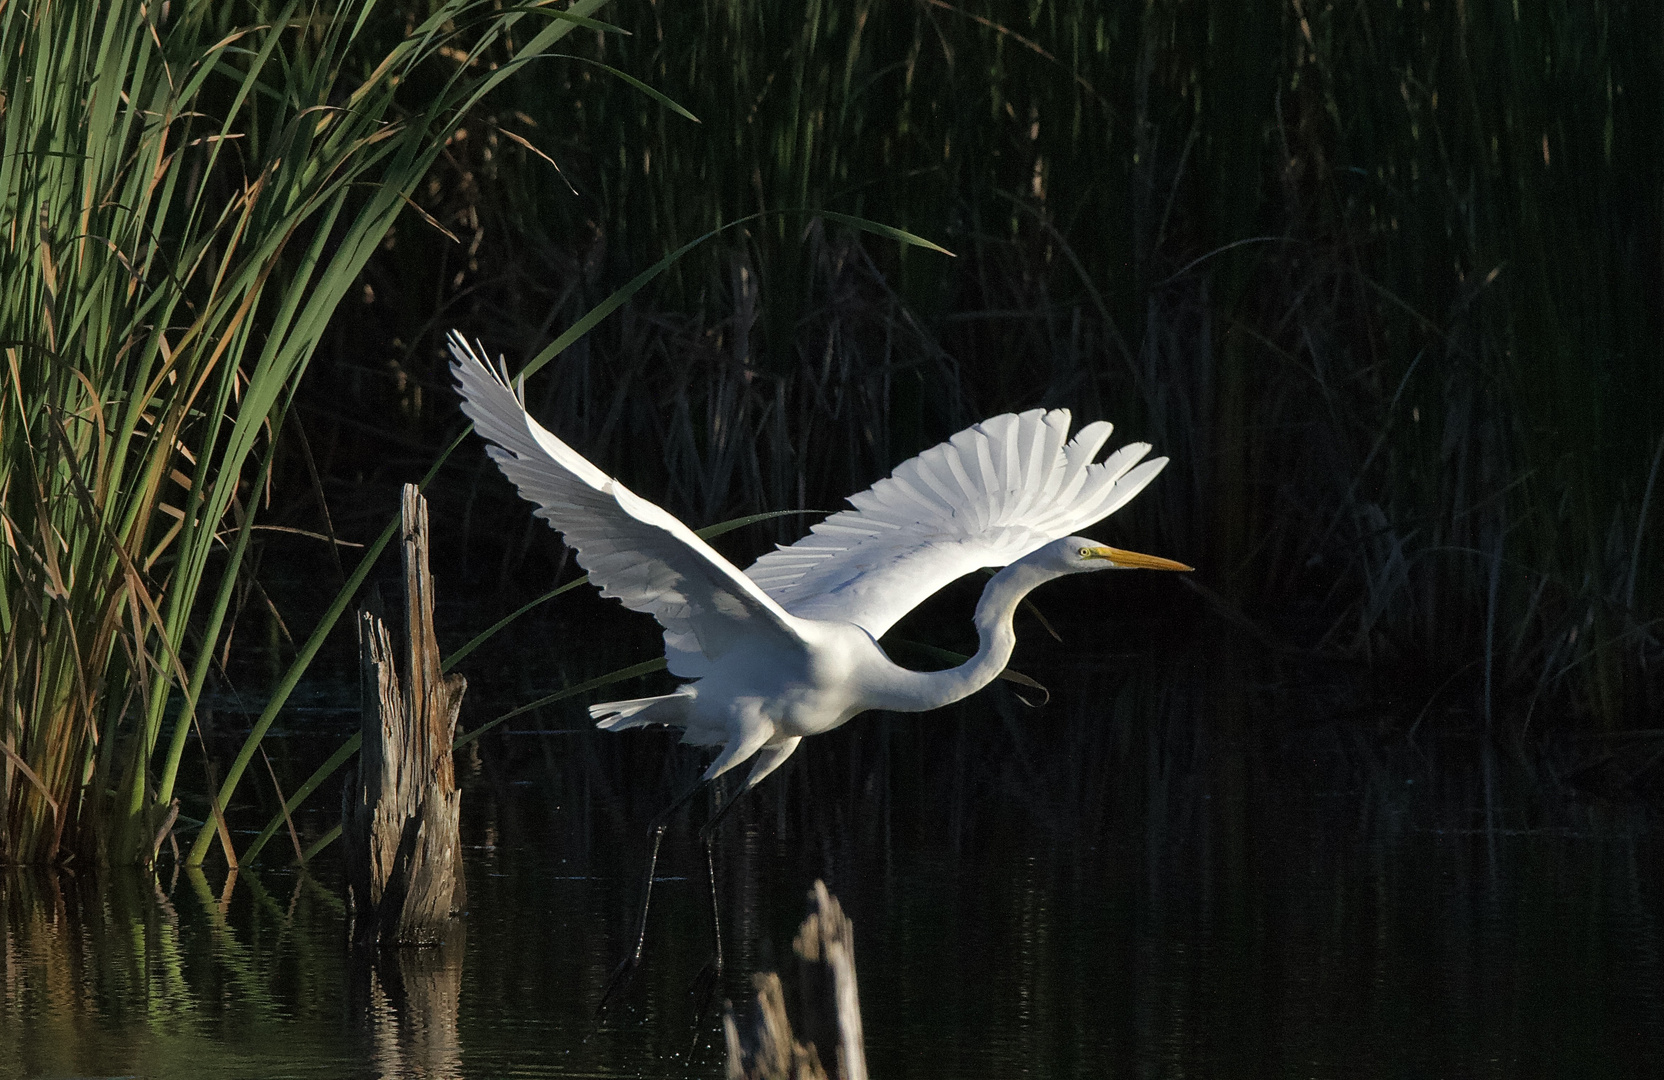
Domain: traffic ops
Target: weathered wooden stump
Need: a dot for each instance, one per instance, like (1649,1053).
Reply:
(827,1043)
(399,820)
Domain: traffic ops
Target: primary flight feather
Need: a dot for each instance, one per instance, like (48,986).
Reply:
(789,647)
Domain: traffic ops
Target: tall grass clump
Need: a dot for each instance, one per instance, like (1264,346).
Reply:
(186,193)
(1382,278)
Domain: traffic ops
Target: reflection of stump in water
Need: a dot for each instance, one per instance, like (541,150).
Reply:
(410,997)
(826,1044)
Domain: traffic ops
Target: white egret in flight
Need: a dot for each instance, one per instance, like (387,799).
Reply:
(789,647)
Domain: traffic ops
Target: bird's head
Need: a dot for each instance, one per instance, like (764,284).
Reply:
(1078,555)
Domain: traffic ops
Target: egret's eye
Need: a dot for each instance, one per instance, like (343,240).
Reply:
(1084,552)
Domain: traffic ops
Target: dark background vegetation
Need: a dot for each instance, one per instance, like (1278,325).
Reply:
(1381,277)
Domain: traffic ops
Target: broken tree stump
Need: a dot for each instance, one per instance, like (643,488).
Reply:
(827,1042)
(400,818)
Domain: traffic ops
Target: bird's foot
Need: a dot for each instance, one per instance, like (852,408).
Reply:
(622,975)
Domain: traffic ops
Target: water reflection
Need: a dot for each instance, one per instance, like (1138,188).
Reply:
(1159,875)
(115,977)
(408,999)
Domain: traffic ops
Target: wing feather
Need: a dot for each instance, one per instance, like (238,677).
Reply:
(988,496)
(967,487)
(635,550)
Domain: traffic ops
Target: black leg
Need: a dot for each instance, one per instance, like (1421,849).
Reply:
(716,914)
(655,835)
(709,978)
(707,832)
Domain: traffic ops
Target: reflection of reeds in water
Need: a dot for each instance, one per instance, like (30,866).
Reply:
(108,976)
(59,961)
(80,956)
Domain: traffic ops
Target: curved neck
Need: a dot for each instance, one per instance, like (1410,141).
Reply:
(920,691)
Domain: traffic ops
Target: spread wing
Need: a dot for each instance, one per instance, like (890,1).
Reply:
(988,496)
(635,550)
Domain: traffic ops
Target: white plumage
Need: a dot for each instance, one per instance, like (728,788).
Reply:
(633,549)
(789,647)
(988,496)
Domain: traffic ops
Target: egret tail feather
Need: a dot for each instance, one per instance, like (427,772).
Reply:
(669,709)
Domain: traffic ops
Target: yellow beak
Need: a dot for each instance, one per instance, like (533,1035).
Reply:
(1132,560)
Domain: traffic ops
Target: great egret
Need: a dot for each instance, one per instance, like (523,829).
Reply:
(789,647)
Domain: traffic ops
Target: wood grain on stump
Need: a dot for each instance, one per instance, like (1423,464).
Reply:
(399,820)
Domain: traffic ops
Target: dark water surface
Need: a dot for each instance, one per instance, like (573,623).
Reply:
(1167,872)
